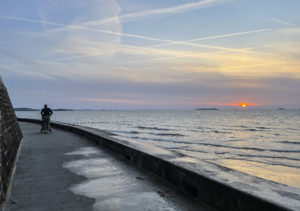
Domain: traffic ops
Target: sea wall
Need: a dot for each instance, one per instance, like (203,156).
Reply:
(198,179)
(10,138)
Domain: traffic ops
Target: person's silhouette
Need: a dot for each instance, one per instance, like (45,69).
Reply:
(46,113)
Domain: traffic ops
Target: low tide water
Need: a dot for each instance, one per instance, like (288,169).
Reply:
(263,143)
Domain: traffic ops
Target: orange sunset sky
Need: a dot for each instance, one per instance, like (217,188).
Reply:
(116,54)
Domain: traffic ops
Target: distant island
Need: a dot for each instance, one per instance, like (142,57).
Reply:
(25,109)
(62,109)
(34,109)
(207,109)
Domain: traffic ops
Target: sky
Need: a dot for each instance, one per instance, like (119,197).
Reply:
(158,54)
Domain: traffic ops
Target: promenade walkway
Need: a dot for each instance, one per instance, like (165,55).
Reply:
(64,171)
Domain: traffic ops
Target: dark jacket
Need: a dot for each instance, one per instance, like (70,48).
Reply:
(46,112)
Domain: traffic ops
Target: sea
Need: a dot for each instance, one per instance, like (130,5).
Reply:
(263,143)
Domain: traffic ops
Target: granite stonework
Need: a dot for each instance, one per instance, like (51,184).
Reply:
(10,138)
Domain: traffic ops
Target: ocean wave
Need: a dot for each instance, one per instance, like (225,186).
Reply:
(267,162)
(123,131)
(167,134)
(250,129)
(216,131)
(201,143)
(215,145)
(266,156)
(156,134)
(152,128)
(246,148)
(161,140)
(286,151)
(262,128)
(233,147)
(191,130)
(246,157)
(289,142)
(233,140)
(88,122)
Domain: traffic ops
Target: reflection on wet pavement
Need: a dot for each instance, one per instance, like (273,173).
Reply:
(118,187)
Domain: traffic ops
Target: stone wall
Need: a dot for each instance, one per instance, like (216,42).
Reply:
(10,138)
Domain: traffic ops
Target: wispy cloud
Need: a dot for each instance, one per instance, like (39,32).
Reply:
(89,46)
(168,11)
(68,29)
(235,104)
(114,101)
(147,102)
(82,27)
(73,26)
(79,47)
(217,36)
(286,23)
(23,66)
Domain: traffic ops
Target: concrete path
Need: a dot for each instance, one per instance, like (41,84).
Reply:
(64,171)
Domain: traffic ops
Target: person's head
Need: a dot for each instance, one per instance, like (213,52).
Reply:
(45,106)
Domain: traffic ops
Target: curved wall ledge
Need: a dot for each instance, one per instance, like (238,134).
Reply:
(223,188)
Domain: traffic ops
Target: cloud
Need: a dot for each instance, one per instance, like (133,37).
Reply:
(64,27)
(78,54)
(65,24)
(75,33)
(211,89)
(170,10)
(86,47)
(82,26)
(217,36)
(79,50)
(113,101)
(69,34)
(80,38)
(282,22)
(15,64)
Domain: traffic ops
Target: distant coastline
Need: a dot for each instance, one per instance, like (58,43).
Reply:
(25,109)
(33,109)
(207,109)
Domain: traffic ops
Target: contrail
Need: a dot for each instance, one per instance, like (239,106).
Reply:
(215,37)
(276,20)
(33,65)
(231,35)
(82,27)
(121,34)
(166,11)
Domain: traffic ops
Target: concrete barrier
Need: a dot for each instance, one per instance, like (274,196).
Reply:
(201,184)
(10,138)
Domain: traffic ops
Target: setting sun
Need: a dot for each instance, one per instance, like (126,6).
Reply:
(244,105)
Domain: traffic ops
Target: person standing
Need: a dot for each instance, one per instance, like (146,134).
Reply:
(46,113)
